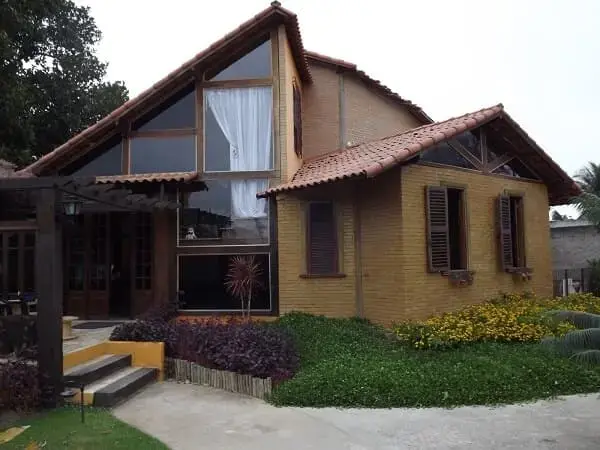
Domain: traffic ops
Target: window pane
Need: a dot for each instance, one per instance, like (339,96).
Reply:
(443,153)
(256,64)
(179,113)
(13,270)
(29,270)
(515,168)
(164,154)
(228,213)
(238,129)
(470,141)
(202,279)
(108,163)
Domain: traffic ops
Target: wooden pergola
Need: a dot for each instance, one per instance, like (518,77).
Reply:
(51,194)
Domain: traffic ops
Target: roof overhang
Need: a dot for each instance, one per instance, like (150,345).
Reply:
(372,158)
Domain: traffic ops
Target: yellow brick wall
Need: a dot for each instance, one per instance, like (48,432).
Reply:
(333,297)
(381,256)
(320,102)
(369,116)
(290,163)
(425,293)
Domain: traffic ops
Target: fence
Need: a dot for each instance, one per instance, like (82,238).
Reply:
(571,281)
(189,372)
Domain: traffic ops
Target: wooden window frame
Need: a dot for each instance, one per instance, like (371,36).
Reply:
(297,117)
(309,272)
(511,239)
(441,191)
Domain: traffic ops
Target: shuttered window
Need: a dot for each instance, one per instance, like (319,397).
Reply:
(438,236)
(297,120)
(322,245)
(446,229)
(511,237)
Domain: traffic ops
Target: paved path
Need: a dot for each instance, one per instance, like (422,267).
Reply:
(194,417)
(86,338)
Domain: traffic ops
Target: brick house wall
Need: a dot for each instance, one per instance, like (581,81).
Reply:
(339,109)
(333,297)
(426,293)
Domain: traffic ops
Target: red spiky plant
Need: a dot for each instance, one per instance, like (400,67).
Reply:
(243,280)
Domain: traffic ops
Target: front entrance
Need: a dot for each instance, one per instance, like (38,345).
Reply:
(108,260)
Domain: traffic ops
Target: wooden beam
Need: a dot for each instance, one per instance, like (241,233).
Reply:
(456,145)
(499,162)
(26,183)
(49,285)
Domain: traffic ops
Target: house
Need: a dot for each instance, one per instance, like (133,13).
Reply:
(353,200)
(574,244)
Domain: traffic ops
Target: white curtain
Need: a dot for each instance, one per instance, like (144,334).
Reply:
(245,116)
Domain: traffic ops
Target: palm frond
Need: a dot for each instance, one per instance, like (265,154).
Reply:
(587,357)
(588,205)
(578,340)
(578,318)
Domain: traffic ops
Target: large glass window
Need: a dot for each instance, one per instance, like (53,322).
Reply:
(256,64)
(163,154)
(107,163)
(202,280)
(238,129)
(179,113)
(17,262)
(227,213)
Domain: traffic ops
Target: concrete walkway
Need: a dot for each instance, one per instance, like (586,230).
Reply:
(193,417)
(86,337)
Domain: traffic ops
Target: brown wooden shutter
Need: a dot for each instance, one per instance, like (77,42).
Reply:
(504,233)
(438,242)
(322,248)
(297,120)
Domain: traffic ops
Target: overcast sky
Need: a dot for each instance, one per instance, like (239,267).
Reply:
(540,58)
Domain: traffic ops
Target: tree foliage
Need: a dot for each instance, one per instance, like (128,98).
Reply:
(51,82)
(588,203)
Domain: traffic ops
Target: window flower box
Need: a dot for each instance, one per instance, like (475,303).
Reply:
(461,277)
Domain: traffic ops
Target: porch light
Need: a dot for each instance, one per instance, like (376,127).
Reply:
(72,208)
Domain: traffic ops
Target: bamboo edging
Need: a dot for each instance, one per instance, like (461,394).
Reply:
(184,371)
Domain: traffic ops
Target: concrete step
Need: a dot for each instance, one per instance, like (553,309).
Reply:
(96,369)
(111,390)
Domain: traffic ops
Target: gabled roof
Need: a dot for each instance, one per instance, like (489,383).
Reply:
(270,17)
(370,159)
(376,85)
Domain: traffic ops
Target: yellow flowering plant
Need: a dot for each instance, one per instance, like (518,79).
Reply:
(507,318)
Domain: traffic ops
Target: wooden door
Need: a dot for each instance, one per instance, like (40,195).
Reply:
(99,267)
(88,270)
(142,257)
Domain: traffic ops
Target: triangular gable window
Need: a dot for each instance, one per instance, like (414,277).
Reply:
(255,64)
(444,153)
(178,113)
(516,168)
(105,161)
(470,142)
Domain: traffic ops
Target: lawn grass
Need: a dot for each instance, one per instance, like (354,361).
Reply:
(351,363)
(62,429)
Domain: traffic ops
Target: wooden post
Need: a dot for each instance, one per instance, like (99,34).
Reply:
(49,288)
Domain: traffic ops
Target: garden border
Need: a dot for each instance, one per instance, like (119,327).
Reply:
(184,371)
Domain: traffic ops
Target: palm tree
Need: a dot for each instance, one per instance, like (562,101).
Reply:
(588,203)
(582,345)
(588,178)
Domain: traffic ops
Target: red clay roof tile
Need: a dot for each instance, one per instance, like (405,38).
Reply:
(371,158)
(148,178)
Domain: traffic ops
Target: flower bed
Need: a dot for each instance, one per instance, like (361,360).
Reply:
(510,318)
(184,371)
(247,348)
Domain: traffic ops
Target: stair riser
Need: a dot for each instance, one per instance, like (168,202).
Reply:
(113,394)
(100,372)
